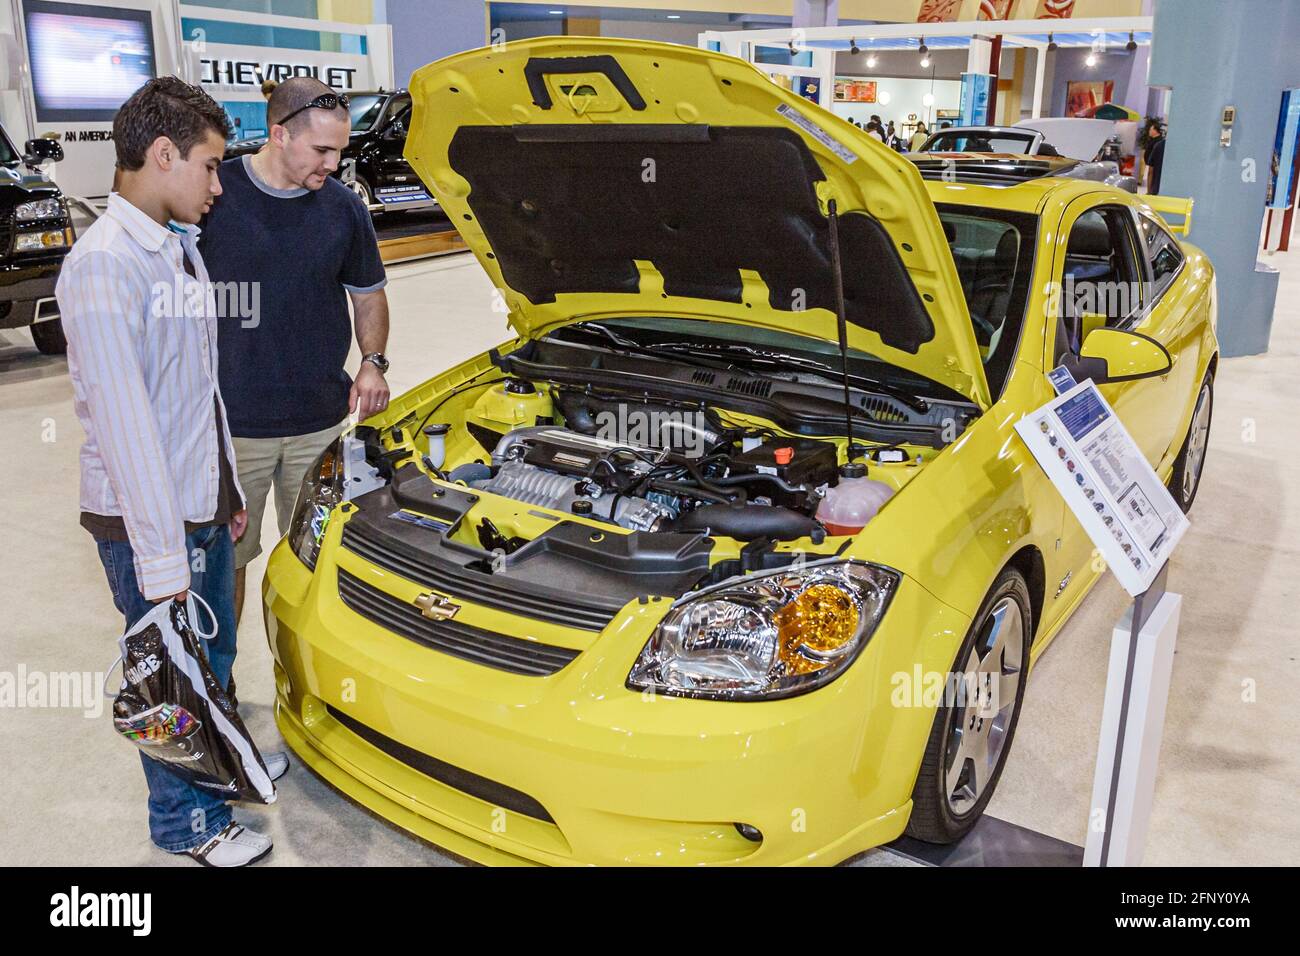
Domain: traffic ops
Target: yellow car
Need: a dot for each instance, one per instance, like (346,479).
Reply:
(620,591)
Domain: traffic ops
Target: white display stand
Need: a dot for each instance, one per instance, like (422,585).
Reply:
(1132,725)
(1135,523)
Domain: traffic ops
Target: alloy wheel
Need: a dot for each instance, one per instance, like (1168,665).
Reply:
(359,187)
(1197,441)
(990,684)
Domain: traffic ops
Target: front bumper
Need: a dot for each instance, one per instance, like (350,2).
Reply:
(22,288)
(619,777)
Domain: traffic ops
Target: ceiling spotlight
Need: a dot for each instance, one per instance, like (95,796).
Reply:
(853,47)
(924,49)
(1131,45)
(925,63)
(871,61)
(556,13)
(672,16)
(1091,60)
(1051,42)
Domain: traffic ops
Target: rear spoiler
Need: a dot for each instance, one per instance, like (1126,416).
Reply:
(1165,205)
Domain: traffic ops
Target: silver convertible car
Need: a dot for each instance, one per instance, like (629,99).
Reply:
(1082,142)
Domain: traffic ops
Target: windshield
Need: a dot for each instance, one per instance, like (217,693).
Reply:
(993,251)
(365,109)
(8,155)
(954,141)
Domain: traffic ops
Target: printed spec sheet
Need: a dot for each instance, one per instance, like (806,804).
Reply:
(1111,488)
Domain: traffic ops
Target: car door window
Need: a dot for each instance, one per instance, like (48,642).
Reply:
(403,121)
(1104,272)
(1164,254)
(399,107)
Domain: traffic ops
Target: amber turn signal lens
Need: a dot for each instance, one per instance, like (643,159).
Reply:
(816,624)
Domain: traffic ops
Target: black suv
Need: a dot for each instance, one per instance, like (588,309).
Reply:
(35,235)
(373,166)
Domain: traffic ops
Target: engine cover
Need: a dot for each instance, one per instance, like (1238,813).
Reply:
(554,467)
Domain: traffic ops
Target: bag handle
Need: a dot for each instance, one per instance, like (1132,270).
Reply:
(191,599)
(194,618)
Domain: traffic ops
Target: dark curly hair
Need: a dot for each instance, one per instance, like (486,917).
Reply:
(165,106)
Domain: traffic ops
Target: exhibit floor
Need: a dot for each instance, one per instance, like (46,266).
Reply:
(73,794)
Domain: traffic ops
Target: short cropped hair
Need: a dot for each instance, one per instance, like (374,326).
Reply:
(165,106)
(292,95)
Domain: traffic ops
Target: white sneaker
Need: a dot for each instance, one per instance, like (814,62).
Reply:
(277,764)
(236,845)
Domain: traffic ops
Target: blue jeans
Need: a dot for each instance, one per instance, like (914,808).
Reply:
(182,816)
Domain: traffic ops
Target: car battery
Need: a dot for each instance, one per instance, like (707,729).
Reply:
(797,461)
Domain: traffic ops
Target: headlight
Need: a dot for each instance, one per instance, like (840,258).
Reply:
(321,491)
(38,241)
(40,209)
(768,636)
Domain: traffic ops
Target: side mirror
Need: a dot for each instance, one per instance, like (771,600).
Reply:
(1126,356)
(41,151)
(395,130)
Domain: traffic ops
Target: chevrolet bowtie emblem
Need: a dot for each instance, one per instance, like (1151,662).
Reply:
(436,607)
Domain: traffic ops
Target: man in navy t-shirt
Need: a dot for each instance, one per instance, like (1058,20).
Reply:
(295,245)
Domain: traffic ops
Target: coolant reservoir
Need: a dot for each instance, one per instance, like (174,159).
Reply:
(853,502)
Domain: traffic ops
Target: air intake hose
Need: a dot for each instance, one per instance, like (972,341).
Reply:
(748,522)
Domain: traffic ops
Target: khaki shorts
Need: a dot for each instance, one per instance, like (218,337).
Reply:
(263,462)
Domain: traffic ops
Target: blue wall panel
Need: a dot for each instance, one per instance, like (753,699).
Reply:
(1212,55)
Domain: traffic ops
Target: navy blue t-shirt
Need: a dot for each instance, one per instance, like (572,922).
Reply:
(282,369)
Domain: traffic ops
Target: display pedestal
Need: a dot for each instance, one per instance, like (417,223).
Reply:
(992,842)
(1132,723)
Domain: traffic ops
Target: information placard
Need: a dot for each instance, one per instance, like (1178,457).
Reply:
(1093,461)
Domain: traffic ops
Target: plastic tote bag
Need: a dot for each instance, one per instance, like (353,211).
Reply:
(172,708)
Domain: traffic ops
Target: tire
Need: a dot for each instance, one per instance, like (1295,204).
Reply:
(1185,481)
(363,191)
(947,804)
(48,336)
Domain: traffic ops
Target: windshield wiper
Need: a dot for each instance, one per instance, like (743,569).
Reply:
(682,356)
(736,355)
(747,355)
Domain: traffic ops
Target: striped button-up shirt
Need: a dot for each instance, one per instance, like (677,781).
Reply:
(142,355)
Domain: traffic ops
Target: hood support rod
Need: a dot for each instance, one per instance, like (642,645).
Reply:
(851,450)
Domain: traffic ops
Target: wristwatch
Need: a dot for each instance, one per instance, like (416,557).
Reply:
(378,360)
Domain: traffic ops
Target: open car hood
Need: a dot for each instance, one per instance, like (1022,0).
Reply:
(605,177)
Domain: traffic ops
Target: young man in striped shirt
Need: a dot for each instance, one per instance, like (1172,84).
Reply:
(158,486)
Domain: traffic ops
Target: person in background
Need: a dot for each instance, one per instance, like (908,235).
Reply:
(268,87)
(306,244)
(158,487)
(918,138)
(1154,156)
(873,126)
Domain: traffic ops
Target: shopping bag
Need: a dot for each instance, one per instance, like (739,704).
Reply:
(172,708)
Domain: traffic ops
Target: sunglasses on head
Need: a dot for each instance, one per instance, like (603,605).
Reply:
(326,101)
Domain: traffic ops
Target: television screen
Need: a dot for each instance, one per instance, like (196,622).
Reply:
(86,60)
